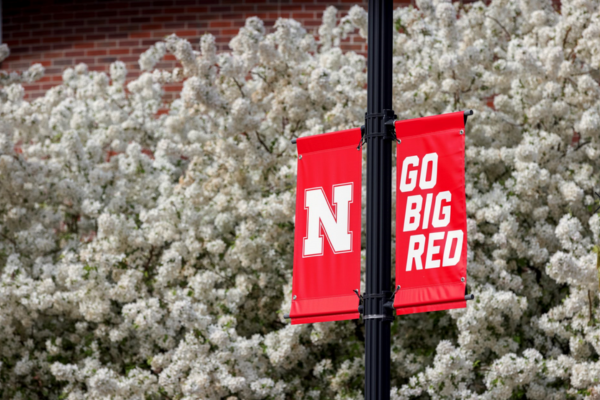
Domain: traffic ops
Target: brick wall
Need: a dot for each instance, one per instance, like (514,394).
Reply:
(62,33)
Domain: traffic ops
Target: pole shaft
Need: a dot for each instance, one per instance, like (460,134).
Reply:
(379,201)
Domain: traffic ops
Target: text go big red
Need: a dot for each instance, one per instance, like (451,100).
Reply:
(432,208)
(431,236)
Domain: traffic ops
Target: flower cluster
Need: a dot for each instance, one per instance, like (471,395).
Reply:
(146,248)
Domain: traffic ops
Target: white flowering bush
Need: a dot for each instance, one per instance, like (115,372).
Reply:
(148,255)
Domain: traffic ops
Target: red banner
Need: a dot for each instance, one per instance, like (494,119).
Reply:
(431,214)
(328,228)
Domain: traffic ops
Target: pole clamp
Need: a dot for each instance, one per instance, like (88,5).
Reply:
(388,117)
(383,312)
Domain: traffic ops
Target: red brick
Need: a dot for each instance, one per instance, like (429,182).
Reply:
(118,21)
(63,31)
(220,24)
(84,45)
(39,49)
(77,22)
(162,3)
(20,19)
(96,52)
(245,8)
(11,43)
(312,23)
(118,51)
(85,29)
(139,35)
(119,4)
(145,43)
(141,20)
(151,27)
(298,15)
(197,10)
(129,12)
(165,65)
(170,88)
(106,29)
(233,16)
(78,53)
(86,60)
(220,9)
(120,35)
(128,43)
(172,25)
(107,13)
(174,10)
(98,68)
(186,33)
(63,62)
(151,11)
(163,18)
(95,37)
(108,60)
(31,41)
(280,15)
(21,34)
(86,15)
(45,32)
(56,39)
(130,59)
(19,50)
(19,65)
(196,25)
(63,16)
(186,18)
(106,44)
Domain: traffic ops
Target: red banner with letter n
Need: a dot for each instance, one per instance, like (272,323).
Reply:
(327,228)
(431,214)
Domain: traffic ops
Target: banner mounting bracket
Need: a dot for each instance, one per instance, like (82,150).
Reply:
(467,114)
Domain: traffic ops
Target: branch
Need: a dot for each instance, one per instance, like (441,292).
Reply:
(239,87)
(581,73)
(591,307)
(566,37)
(501,26)
(12,241)
(581,144)
(147,264)
(262,142)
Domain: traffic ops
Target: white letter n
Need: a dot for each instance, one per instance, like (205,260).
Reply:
(320,215)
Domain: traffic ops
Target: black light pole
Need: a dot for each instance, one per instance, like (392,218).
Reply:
(379,201)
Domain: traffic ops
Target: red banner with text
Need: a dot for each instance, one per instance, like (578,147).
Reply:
(327,228)
(431,215)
